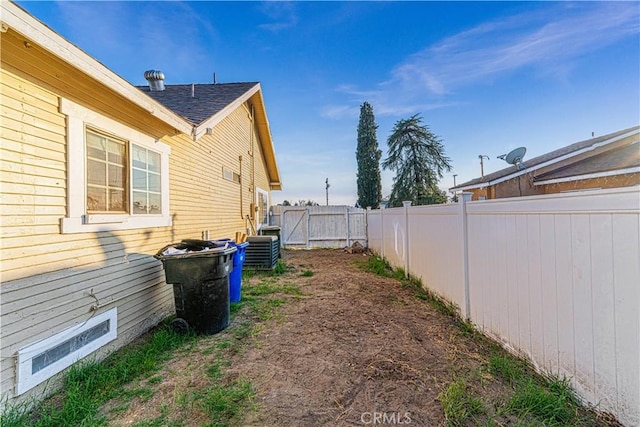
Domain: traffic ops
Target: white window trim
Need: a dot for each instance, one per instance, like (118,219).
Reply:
(77,221)
(266,193)
(25,380)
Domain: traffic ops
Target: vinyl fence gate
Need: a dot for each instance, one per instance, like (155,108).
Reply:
(320,226)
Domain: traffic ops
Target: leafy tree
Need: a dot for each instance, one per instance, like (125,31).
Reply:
(368,156)
(309,202)
(418,158)
(286,203)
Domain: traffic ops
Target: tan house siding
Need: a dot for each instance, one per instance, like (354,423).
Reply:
(51,280)
(47,277)
(203,199)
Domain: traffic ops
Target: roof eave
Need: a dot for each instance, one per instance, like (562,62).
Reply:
(14,17)
(262,124)
(635,169)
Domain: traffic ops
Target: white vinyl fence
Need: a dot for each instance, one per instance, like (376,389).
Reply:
(554,278)
(319,226)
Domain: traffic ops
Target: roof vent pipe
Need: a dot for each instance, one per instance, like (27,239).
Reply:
(155,79)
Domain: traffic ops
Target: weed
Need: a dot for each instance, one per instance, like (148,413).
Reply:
(307,273)
(507,367)
(459,405)
(224,402)
(552,406)
(279,269)
(89,384)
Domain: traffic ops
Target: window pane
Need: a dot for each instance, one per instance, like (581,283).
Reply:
(139,157)
(139,202)
(116,200)
(106,173)
(155,204)
(154,182)
(96,172)
(116,176)
(154,162)
(147,182)
(139,180)
(96,199)
(96,146)
(116,152)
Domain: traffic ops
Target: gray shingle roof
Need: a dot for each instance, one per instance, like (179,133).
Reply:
(544,158)
(208,99)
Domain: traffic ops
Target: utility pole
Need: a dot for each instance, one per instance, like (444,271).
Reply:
(327,189)
(482,157)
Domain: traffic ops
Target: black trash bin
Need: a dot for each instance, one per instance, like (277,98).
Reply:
(199,273)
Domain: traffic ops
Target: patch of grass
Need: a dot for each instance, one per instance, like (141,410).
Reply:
(554,405)
(279,269)
(380,266)
(535,400)
(307,273)
(224,402)
(89,384)
(460,406)
(507,367)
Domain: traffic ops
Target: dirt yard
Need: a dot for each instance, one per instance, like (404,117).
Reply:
(354,348)
(359,344)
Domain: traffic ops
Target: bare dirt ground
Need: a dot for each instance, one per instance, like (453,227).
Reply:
(352,347)
(357,345)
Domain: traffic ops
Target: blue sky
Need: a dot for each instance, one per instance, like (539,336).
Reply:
(486,77)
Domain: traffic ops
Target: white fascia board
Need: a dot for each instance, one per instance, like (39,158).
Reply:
(589,176)
(552,161)
(210,123)
(17,19)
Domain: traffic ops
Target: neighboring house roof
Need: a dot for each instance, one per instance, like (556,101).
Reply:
(598,163)
(621,159)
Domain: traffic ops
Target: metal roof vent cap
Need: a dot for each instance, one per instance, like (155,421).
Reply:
(155,79)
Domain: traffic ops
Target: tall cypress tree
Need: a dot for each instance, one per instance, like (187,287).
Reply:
(368,156)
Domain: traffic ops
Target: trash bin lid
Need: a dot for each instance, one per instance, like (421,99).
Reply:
(190,249)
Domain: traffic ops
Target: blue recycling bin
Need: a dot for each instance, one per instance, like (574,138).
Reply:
(235,277)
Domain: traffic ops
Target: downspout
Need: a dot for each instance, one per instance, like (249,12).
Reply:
(241,192)
(253,168)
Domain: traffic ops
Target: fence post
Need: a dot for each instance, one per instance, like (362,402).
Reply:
(382,230)
(308,227)
(406,204)
(346,208)
(463,198)
(366,226)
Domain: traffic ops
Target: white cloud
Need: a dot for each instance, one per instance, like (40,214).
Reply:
(147,32)
(549,39)
(283,14)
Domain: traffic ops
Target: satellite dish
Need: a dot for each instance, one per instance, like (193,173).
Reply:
(514,157)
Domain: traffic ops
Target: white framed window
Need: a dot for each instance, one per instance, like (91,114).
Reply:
(42,360)
(118,178)
(262,203)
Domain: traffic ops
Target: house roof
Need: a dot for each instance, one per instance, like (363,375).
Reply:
(67,63)
(597,163)
(622,158)
(211,103)
(208,99)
